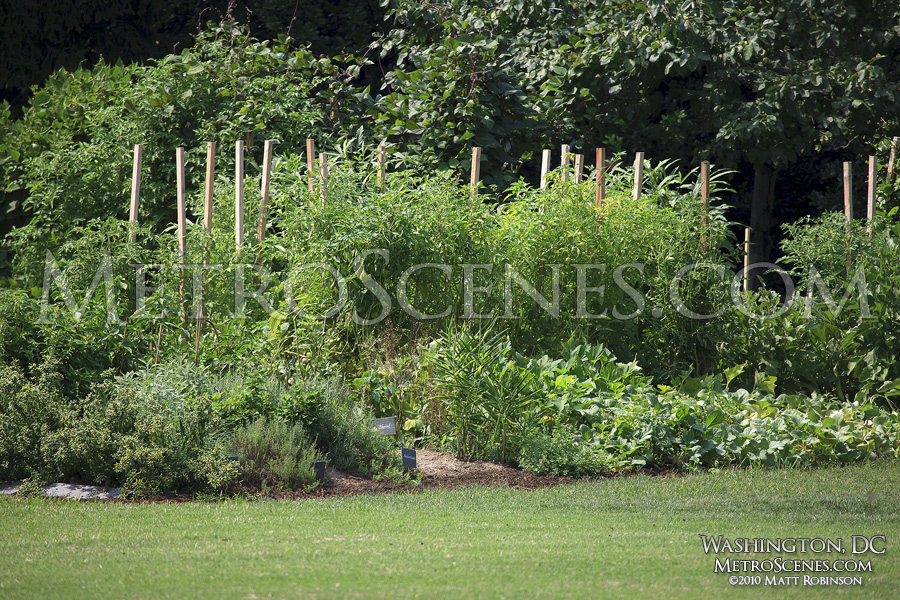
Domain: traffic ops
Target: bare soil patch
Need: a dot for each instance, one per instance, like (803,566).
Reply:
(434,470)
(440,470)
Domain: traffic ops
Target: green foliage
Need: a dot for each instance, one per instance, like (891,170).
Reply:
(831,248)
(86,446)
(273,454)
(838,333)
(621,421)
(484,393)
(559,453)
(30,488)
(147,433)
(73,148)
(630,252)
(245,397)
(677,79)
(174,429)
(398,383)
(31,410)
(81,348)
(344,432)
(701,424)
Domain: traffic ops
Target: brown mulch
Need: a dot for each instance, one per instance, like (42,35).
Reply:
(434,470)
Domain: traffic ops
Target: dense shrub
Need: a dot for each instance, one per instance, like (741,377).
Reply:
(275,455)
(344,431)
(32,408)
(70,155)
(559,453)
(86,447)
(838,332)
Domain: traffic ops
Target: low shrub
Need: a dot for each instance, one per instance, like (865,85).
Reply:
(559,453)
(146,433)
(32,408)
(343,428)
(85,448)
(274,454)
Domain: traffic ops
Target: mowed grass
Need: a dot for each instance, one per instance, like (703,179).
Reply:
(634,537)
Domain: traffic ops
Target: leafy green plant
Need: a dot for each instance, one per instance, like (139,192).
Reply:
(31,488)
(73,147)
(837,331)
(484,391)
(559,453)
(344,430)
(32,407)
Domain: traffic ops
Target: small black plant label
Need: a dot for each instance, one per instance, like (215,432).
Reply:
(386,426)
(319,469)
(408,456)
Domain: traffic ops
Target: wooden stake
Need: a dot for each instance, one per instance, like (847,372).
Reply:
(564,161)
(198,331)
(311,163)
(476,170)
(848,191)
(264,199)
(135,191)
(323,176)
(182,225)
(238,195)
(579,167)
(873,185)
(545,168)
(207,223)
(704,206)
(638,175)
(601,175)
(895,144)
(179,179)
(210,180)
(381,167)
(158,344)
(746,259)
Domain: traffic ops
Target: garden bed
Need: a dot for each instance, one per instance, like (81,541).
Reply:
(436,470)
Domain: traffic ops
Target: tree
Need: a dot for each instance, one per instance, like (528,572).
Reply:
(761,81)
(67,162)
(752,82)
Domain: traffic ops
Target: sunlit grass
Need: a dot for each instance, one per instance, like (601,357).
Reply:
(632,537)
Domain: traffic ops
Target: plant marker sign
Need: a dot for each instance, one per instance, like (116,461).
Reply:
(408,457)
(386,426)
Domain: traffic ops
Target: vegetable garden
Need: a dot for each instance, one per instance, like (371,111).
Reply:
(531,326)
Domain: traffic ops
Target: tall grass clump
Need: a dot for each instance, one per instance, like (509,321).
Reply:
(485,395)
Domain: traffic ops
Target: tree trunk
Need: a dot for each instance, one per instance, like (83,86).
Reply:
(761,211)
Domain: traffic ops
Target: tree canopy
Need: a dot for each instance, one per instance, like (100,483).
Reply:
(751,85)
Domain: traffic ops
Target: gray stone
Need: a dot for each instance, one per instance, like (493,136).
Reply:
(67,490)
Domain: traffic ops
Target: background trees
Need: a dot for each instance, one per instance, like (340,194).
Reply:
(757,86)
(781,92)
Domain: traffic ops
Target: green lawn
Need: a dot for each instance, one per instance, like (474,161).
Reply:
(633,537)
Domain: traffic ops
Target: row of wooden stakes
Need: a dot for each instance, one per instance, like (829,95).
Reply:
(321,174)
